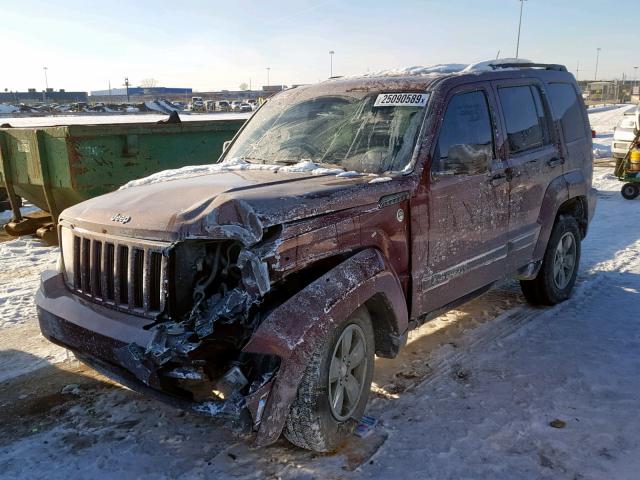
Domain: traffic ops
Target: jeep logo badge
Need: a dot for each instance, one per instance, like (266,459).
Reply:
(120,218)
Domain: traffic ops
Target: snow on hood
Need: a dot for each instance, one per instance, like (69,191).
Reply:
(235,164)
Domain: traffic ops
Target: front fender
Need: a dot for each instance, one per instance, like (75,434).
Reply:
(296,328)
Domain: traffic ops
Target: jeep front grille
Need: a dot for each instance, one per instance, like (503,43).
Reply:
(119,272)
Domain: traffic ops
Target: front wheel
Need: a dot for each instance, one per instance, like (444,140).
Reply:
(630,190)
(559,270)
(335,387)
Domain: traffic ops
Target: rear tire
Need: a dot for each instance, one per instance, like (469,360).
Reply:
(559,269)
(630,191)
(313,422)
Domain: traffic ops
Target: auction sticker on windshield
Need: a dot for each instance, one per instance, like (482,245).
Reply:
(401,100)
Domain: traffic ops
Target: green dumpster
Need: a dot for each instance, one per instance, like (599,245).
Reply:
(56,167)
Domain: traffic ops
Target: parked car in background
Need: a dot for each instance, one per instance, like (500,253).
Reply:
(197,104)
(235,105)
(625,132)
(260,293)
(223,106)
(245,107)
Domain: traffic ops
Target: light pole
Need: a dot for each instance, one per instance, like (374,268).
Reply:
(126,85)
(635,77)
(46,85)
(519,27)
(331,53)
(268,71)
(578,71)
(595,77)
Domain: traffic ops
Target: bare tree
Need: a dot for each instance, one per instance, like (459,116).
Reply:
(244,86)
(148,83)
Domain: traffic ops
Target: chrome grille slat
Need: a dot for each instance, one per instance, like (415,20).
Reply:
(147,275)
(126,275)
(85,265)
(131,279)
(96,268)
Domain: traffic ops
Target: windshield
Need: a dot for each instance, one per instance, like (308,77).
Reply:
(357,131)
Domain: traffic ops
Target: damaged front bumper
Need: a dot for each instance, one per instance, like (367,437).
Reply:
(114,343)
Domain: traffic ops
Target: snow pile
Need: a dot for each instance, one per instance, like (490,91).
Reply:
(161,106)
(22,262)
(236,164)
(7,108)
(153,106)
(168,106)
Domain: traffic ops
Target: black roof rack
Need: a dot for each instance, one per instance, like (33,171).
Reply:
(546,66)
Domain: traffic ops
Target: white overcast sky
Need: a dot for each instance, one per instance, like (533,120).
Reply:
(211,45)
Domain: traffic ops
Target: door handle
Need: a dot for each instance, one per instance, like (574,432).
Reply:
(498,179)
(512,173)
(554,162)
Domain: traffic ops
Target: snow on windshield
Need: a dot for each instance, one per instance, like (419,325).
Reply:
(336,129)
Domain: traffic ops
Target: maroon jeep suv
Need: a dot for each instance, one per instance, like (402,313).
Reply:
(257,290)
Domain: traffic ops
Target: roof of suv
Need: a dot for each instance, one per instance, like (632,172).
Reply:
(421,77)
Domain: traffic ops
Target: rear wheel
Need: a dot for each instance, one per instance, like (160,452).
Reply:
(559,270)
(335,387)
(630,190)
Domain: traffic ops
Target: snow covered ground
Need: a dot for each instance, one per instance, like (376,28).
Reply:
(494,389)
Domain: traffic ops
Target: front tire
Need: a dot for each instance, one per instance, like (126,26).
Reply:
(334,390)
(559,270)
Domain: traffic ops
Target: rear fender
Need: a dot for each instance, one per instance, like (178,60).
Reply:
(557,193)
(577,184)
(297,327)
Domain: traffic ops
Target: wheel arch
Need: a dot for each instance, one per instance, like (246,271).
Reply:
(576,207)
(295,329)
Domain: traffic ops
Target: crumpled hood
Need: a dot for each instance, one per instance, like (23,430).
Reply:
(237,204)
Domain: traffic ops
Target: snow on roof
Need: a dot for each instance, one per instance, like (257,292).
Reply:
(447,68)
(489,65)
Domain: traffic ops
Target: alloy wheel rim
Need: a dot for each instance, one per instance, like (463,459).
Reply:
(564,260)
(347,372)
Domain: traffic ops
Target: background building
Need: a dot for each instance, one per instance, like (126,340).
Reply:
(32,96)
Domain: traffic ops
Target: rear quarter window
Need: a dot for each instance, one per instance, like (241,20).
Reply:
(567,110)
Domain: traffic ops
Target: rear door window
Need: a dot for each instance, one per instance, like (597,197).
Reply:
(524,116)
(567,109)
(465,144)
